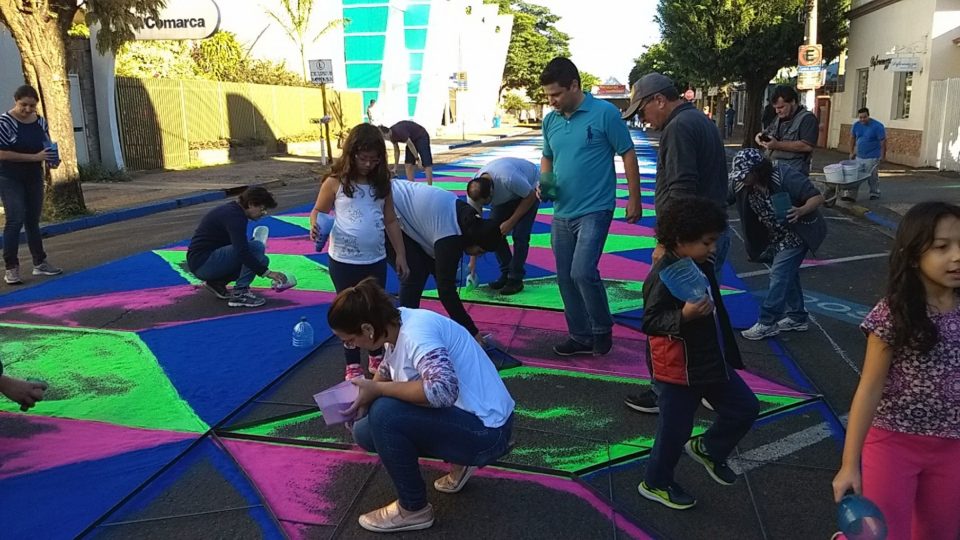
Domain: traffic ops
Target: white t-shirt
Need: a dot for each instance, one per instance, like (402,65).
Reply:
(482,392)
(513,178)
(426,213)
(358,229)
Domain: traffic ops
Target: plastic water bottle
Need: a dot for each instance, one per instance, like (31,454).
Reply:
(859,519)
(303,334)
(260,233)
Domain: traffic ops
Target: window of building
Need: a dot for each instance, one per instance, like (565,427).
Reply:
(863,76)
(904,88)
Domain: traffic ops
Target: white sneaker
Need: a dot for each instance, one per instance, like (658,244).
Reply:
(46,269)
(760,331)
(12,276)
(787,324)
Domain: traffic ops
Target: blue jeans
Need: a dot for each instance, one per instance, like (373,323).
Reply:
(224,265)
(872,165)
(736,407)
(345,275)
(785,297)
(577,245)
(22,202)
(512,265)
(402,432)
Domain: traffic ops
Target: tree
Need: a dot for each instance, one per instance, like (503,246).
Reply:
(156,59)
(221,57)
(295,21)
(513,103)
(39,28)
(722,41)
(657,58)
(534,42)
(588,81)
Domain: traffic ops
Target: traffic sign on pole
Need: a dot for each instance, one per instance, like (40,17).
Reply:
(810,55)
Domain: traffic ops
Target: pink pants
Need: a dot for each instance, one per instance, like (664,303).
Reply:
(915,481)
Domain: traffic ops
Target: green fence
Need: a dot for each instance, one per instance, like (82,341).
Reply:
(161,120)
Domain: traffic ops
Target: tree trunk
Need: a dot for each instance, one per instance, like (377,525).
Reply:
(753,109)
(39,37)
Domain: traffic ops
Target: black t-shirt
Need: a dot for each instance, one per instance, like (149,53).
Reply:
(405,129)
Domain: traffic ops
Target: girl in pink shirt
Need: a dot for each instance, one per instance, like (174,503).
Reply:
(902,449)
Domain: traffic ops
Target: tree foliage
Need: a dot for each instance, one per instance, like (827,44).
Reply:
(588,81)
(294,18)
(657,58)
(534,42)
(513,102)
(714,42)
(156,59)
(221,57)
(40,29)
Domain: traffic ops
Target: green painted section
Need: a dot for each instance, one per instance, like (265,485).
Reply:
(550,414)
(178,261)
(459,185)
(363,48)
(415,39)
(292,428)
(300,221)
(365,19)
(544,293)
(614,243)
(98,375)
(458,174)
(363,75)
(617,212)
(416,61)
(529,372)
(416,15)
(311,275)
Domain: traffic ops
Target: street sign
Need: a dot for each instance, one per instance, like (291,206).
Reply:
(321,71)
(180,19)
(807,80)
(810,69)
(810,55)
(904,63)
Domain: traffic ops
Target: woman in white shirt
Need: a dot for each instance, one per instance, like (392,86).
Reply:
(435,394)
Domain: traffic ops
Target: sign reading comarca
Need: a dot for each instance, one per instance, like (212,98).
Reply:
(181,19)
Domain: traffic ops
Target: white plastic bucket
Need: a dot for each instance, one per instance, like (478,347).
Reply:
(833,173)
(851,171)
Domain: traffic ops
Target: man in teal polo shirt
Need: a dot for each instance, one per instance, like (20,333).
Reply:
(580,138)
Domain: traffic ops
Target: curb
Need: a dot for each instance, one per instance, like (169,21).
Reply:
(127,213)
(857,210)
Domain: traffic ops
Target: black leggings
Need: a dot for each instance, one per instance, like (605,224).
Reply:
(345,275)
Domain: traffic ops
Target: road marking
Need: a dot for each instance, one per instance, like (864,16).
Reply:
(779,449)
(836,346)
(820,262)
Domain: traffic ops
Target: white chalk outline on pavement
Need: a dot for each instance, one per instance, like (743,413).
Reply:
(821,262)
(781,448)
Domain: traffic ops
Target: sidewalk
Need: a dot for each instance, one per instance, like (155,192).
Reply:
(157,191)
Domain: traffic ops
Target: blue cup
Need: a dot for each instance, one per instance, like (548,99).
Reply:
(55,161)
(781,205)
(685,280)
(548,186)
(859,519)
(324,226)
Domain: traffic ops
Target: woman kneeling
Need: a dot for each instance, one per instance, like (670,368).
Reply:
(435,394)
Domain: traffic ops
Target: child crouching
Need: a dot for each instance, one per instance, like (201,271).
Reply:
(693,355)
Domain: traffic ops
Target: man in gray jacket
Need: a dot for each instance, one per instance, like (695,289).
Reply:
(691,162)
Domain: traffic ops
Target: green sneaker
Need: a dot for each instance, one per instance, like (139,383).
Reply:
(718,470)
(673,496)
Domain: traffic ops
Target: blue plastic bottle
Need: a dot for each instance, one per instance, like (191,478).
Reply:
(859,519)
(303,334)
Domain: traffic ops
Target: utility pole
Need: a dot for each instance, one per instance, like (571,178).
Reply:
(810,9)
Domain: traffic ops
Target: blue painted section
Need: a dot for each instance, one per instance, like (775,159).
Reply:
(125,214)
(141,271)
(205,453)
(250,351)
(880,220)
(63,501)
(830,306)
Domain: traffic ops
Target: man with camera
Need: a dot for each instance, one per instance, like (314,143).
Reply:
(791,138)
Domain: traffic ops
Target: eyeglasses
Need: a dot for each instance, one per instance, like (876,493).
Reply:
(366,161)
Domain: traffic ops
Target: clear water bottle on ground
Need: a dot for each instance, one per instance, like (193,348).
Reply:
(303,334)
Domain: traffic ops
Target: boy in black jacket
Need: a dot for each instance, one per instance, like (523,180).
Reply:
(693,355)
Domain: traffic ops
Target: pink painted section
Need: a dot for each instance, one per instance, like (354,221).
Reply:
(622,227)
(294,480)
(542,258)
(71,311)
(281,245)
(55,442)
(613,266)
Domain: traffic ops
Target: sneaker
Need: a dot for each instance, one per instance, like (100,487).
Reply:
(454,482)
(245,299)
(46,269)
(672,497)
(373,362)
(572,347)
(645,402)
(874,196)
(352,371)
(498,283)
(218,288)
(392,518)
(12,276)
(787,324)
(513,286)
(718,470)
(706,404)
(760,331)
(602,344)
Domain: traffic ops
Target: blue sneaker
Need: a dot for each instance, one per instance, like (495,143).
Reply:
(673,496)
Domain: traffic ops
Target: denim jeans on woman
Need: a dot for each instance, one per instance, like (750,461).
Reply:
(402,432)
(22,204)
(346,275)
(785,296)
(224,265)
(577,245)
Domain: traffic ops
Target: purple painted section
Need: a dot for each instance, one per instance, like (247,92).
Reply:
(34,443)
(283,245)
(79,312)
